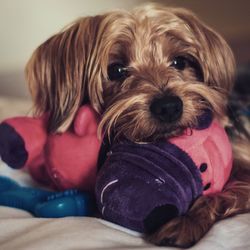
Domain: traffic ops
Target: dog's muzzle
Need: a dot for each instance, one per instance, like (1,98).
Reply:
(167,108)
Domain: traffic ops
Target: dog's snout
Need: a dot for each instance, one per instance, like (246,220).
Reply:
(167,108)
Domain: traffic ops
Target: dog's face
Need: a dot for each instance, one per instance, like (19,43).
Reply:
(149,73)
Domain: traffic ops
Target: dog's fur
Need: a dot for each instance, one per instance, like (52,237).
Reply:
(71,68)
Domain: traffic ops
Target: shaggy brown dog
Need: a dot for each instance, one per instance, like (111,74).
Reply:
(149,73)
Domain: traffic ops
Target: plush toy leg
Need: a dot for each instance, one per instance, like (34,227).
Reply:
(42,203)
(22,140)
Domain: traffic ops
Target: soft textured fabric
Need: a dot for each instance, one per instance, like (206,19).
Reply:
(137,178)
(143,184)
(211,151)
(61,161)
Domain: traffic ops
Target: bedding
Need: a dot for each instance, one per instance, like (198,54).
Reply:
(19,230)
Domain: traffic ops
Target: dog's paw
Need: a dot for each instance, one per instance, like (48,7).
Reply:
(181,232)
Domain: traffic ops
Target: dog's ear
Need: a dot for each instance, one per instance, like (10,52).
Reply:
(57,72)
(216,58)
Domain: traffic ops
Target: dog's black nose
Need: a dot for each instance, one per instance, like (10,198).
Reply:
(167,108)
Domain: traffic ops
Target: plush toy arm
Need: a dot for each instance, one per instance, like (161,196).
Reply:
(22,140)
(86,121)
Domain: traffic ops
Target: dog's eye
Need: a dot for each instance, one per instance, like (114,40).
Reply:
(179,63)
(117,71)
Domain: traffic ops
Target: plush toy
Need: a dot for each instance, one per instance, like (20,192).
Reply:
(142,186)
(60,161)
(139,186)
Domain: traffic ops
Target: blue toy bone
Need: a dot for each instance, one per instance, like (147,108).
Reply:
(43,203)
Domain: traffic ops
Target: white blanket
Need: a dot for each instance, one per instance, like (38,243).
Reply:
(19,230)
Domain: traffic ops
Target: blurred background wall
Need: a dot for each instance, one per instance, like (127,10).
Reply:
(27,23)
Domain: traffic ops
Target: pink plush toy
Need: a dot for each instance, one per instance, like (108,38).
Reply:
(141,186)
(61,161)
(174,172)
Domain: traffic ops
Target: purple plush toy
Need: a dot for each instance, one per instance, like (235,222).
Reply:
(142,186)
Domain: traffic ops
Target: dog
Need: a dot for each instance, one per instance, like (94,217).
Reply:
(149,73)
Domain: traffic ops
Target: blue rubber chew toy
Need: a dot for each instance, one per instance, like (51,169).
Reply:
(43,203)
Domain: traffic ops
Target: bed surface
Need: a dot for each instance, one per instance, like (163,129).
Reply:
(19,230)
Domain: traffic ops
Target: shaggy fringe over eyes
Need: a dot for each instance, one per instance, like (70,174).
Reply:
(215,56)
(211,50)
